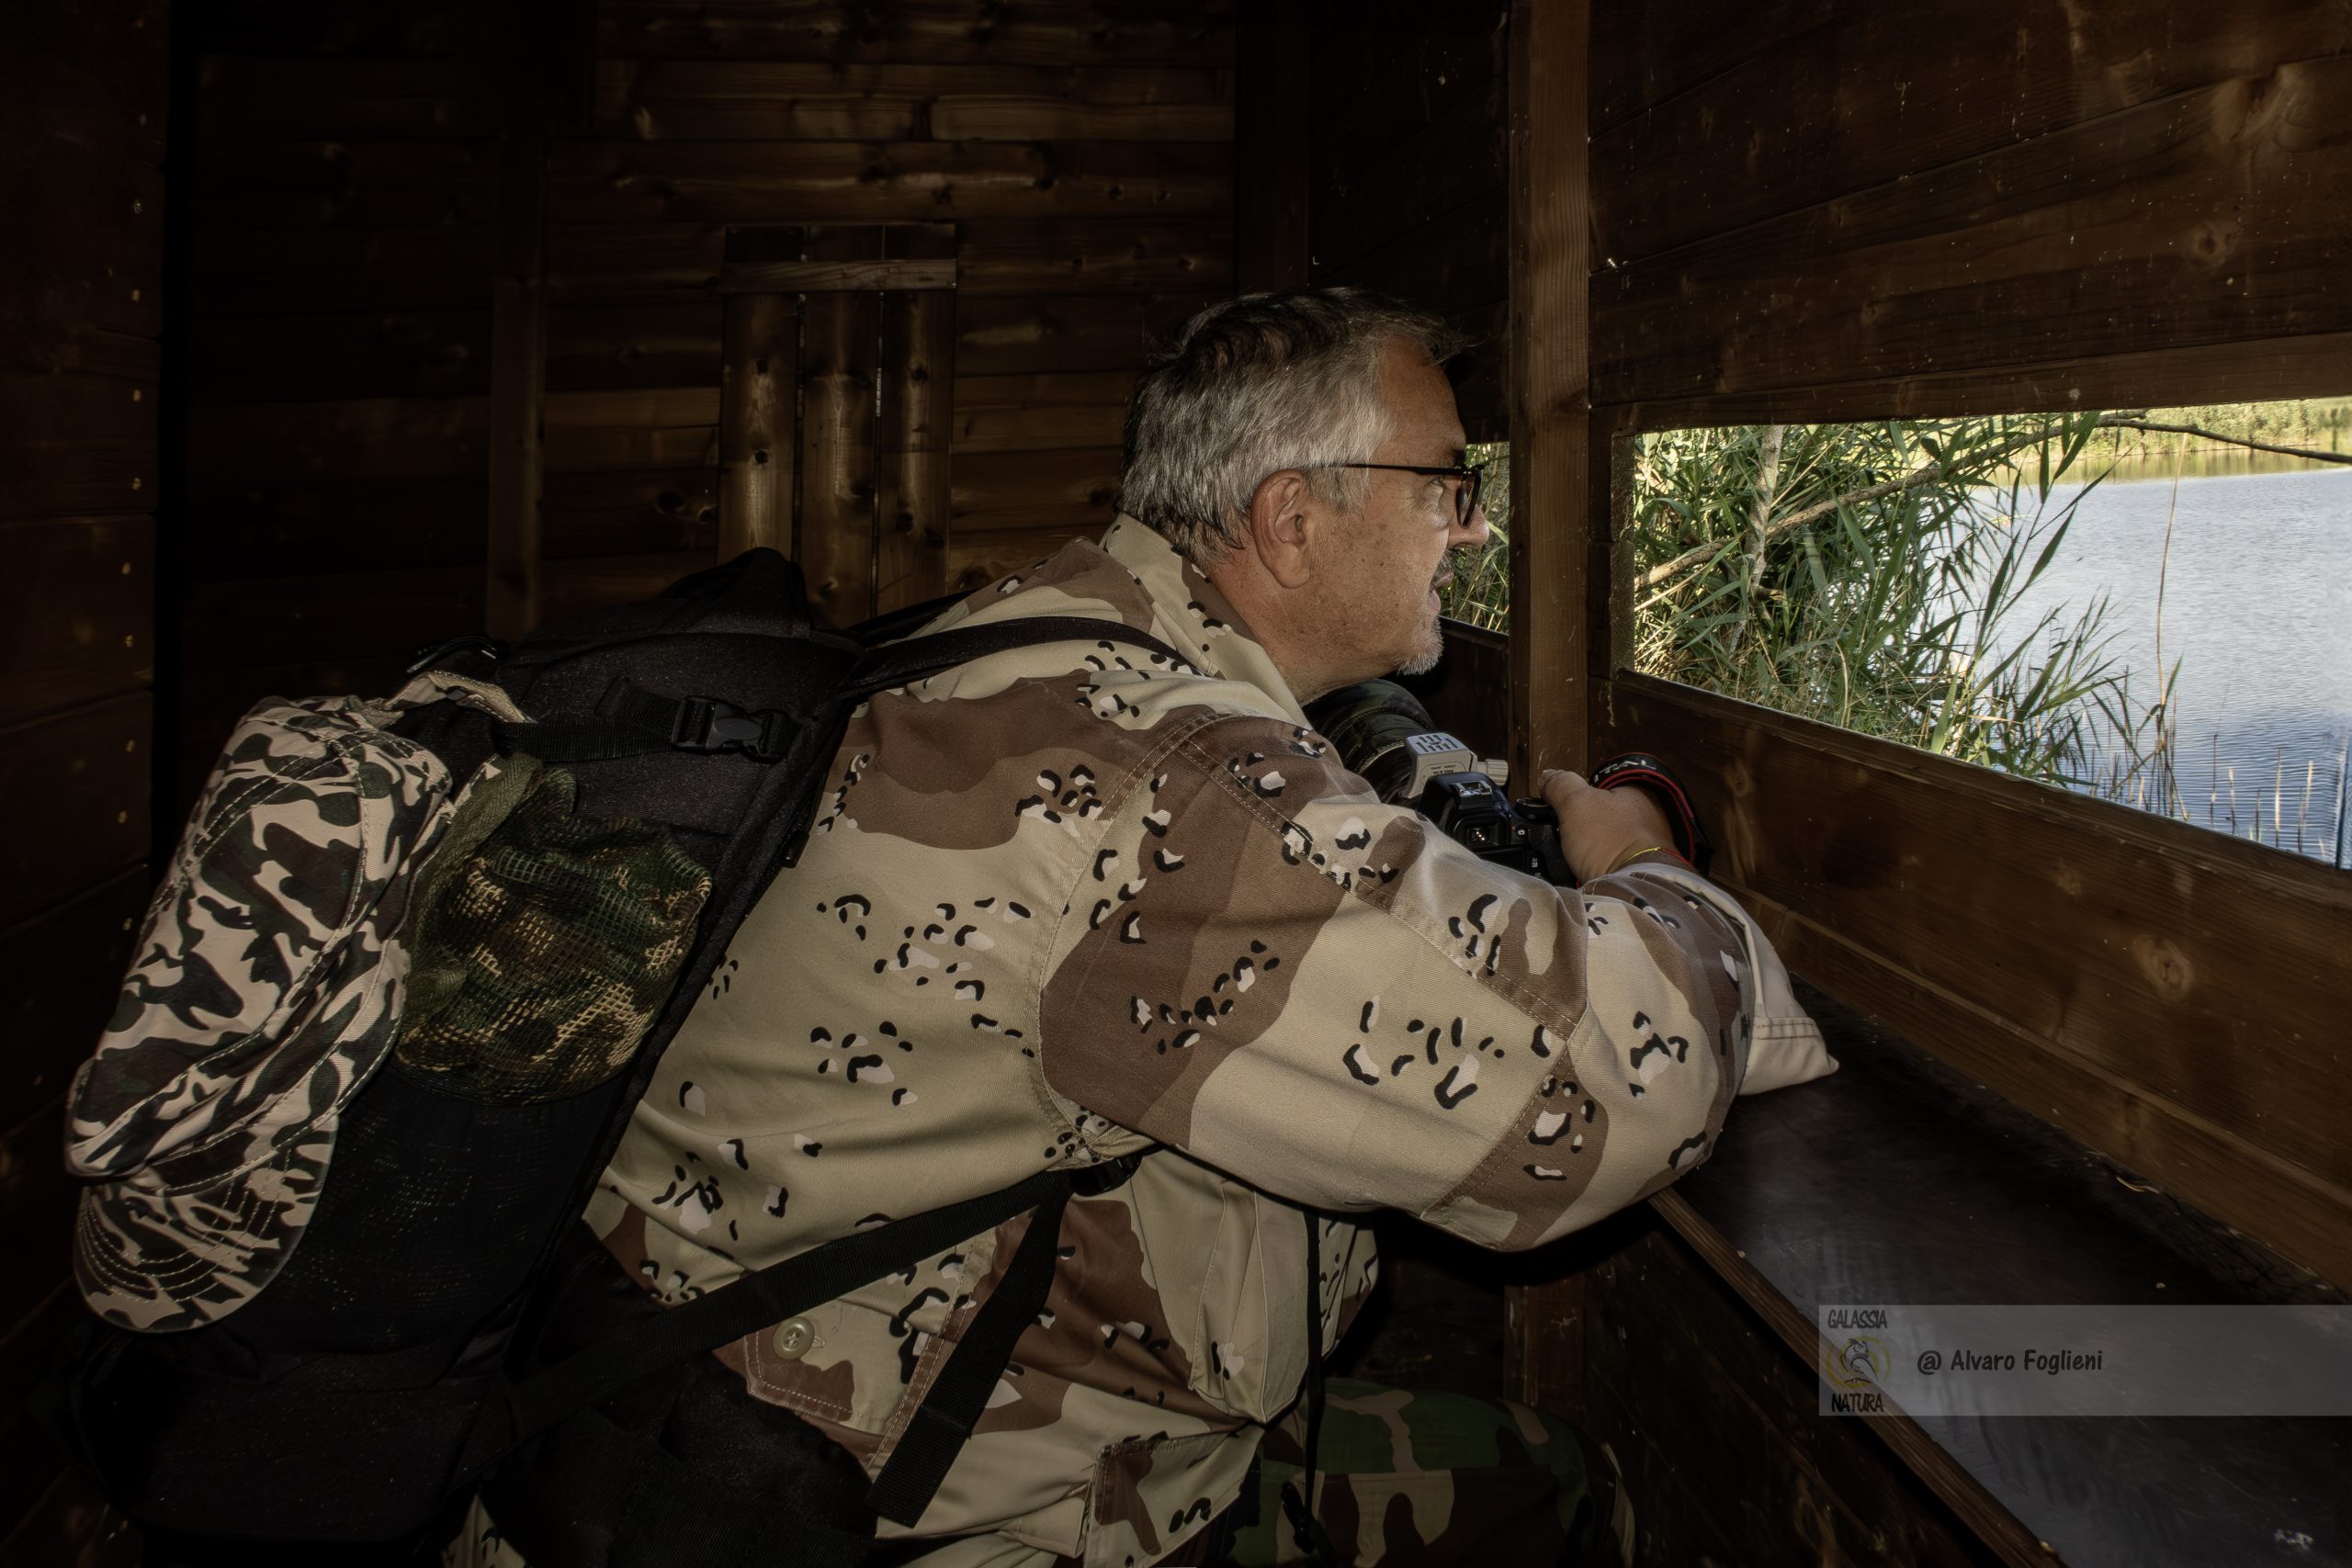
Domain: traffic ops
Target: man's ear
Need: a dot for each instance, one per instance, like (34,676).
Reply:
(1279,524)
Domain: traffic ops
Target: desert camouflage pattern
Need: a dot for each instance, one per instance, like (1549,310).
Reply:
(1069,903)
(1412,1478)
(263,992)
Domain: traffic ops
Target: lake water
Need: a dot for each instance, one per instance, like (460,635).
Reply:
(2258,609)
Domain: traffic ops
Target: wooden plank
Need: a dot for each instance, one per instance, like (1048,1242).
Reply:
(840,355)
(77,610)
(1026,335)
(2200,219)
(1056,492)
(1461,52)
(2258,370)
(1645,55)
(737,182)
(74,786)
(1364,202)
(759,436)
(373,353)
(1948,1158)
(1853,105)
(75,445)
(61,969)
(652,427)
(1678,1364)
(320,97)
(632,511)
(770,101)
(1979,1511)
(630,448)
(1549,372)
(1092,255)
(918,416)
(977,116)
(1547,230)
(1454,264)
(94,75)
(634,262)
(1358,44)
(2190,1157)
(2169,995)
(614,347)
(408,183)
(1040,32)
(1481,372)
(281,271)
(87,289)
(837,276)
(1016,414)
(1274,48)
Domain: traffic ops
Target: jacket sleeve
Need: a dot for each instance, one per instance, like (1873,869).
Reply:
(1328,999)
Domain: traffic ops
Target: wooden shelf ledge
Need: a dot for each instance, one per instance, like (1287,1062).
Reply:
(1898,1181)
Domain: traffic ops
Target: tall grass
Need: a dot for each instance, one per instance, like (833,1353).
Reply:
(1866,575)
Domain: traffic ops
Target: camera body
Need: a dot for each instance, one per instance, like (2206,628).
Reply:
(1465,795)
(1383,734)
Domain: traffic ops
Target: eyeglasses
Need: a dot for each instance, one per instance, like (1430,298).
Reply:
(1466,494)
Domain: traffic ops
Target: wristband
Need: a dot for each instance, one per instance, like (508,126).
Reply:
(1625,860)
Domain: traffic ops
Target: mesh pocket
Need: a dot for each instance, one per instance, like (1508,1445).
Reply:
(544,948)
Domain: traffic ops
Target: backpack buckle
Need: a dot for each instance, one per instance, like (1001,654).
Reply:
(714,723)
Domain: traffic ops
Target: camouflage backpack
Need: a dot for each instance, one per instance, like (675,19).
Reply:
(405,979)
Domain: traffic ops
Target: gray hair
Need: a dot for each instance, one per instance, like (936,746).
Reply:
(1254,385)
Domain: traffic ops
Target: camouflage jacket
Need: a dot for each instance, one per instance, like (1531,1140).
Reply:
(1068,903)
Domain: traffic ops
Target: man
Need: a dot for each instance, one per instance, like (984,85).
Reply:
(1074,903)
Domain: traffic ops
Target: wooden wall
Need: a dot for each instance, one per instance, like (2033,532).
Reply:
(1406,167)
(1802,212)
(357,195)
(84,88)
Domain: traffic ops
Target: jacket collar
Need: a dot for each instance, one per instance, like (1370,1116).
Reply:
(1208,630)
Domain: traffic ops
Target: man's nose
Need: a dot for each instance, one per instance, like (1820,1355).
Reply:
(1475,531)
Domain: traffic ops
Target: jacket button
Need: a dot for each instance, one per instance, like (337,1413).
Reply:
(792,1338)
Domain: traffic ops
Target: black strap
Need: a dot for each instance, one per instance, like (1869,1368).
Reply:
(919,658)
(1312,1539)
(515,1412)
(939,1429)
(772,829)
(633,722)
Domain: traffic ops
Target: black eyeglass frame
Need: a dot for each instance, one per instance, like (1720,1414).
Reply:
(1472,475)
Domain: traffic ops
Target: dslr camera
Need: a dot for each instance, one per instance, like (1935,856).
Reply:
(1383,734)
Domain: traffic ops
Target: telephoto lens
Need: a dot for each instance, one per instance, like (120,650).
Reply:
(1385,735)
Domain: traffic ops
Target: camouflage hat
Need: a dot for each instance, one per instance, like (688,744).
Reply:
(262,995)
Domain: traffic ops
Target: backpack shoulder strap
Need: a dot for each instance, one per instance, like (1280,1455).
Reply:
(918,657)
(517,1411)
(633,722)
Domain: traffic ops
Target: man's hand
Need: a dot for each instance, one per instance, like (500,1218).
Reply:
(1600,828)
